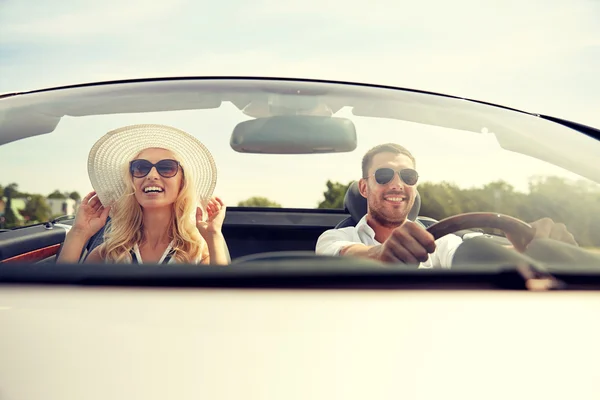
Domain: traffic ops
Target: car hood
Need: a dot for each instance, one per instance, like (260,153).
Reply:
(119,343)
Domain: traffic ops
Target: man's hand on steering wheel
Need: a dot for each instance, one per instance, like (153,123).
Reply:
(546,228)
(409,244)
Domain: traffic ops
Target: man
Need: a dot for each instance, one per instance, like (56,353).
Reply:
(389,184)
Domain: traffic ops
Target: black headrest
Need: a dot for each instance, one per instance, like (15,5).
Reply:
(356,204)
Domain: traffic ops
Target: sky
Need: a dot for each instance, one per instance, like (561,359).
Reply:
(539,56)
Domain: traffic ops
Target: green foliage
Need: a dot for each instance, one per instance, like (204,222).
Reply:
(576,204)
(75,196)
(11,191)
(334,195)
(23,208)
(36,209)
(57,195)
(10,218)
(258,201)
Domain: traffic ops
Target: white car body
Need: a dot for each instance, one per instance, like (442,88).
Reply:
(72,343)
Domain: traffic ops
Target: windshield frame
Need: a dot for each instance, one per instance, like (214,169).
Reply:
(547,138)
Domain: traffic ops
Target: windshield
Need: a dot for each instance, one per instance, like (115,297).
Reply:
(469,156)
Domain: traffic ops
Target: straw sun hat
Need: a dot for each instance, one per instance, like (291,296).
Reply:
(110,157)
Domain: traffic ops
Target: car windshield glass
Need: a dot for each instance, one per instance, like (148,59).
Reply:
(469,156)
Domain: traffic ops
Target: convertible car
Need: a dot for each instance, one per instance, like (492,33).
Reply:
(282,322)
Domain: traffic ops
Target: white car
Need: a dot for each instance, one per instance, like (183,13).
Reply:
(282,322)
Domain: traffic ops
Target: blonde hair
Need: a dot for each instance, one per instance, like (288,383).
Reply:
(126,227)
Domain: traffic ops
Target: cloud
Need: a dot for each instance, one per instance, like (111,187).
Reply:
(539,56)
(536,56)
(74,20)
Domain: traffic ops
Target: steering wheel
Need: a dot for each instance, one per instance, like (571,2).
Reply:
(520,232)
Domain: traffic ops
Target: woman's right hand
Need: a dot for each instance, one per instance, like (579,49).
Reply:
(91,216)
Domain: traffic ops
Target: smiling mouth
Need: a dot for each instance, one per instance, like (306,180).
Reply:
(395,199)
(153,189)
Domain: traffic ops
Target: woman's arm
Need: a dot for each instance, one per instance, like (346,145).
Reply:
(90,218)
(210,229)
(216,249)
(94,257)
(72,247)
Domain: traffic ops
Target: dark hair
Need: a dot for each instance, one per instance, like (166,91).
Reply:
(384,148)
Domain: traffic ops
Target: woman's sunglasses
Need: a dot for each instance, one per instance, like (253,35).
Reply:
(166,168)
(385,175)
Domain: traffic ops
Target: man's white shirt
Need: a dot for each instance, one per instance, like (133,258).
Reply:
(332,241)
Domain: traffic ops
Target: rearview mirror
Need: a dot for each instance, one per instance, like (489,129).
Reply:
(294,134)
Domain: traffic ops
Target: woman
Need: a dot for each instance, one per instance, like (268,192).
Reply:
(151,179)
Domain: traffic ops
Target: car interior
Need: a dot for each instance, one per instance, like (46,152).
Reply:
(251,233)
(285,121)
(248,231)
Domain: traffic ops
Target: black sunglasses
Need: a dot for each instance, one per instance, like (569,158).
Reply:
(385,175)
(166,168)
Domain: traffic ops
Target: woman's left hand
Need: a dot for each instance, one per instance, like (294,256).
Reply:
(215,210)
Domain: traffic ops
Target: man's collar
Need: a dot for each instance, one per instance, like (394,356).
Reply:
(363,226)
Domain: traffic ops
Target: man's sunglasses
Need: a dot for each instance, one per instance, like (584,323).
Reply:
(166,168)
(385,175)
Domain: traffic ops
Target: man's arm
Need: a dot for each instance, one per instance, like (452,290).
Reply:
(361,250)
(374,252)
(332,241)
(344,242)
(409,244)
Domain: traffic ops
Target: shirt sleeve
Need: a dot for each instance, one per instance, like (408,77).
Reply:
(444,252)
(333,240)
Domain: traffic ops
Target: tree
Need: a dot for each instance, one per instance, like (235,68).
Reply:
(258,201)
(10,218)
(57,195)
(36,209)
(11,191)
(75,196)
(441,200)
(334,195)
